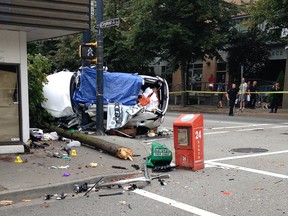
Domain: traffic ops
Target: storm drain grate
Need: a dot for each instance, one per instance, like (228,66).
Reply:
(249,150)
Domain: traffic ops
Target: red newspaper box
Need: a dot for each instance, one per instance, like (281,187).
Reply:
(188,141)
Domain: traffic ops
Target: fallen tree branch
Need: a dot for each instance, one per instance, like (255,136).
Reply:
(94,141)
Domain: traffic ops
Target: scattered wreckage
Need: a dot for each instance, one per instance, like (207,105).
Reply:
(71,98)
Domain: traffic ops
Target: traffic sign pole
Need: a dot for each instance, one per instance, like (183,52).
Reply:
(99,78)
(86,37)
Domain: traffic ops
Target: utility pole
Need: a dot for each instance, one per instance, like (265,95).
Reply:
(242,72)
(99,71)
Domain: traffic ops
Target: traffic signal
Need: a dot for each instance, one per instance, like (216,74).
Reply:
(88,51)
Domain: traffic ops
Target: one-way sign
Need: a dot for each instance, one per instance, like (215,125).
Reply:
(110,23)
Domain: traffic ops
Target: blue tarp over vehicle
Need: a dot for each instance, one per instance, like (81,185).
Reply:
(118,87)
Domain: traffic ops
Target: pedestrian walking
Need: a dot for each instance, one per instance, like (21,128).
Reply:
(252,93)
(231,97)
(221,89)
(242,94)
(276,98)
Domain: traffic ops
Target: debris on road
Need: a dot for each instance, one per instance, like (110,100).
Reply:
(111,194)
(93,141)
(226,192)
(56,196)
(6,202)
(160,155)
(93,165)
(59,167)
(119,167)
(135,166)
(66,174)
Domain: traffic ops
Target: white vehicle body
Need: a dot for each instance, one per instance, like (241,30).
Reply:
(61,88)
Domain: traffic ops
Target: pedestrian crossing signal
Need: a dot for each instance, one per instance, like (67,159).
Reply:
(87,51)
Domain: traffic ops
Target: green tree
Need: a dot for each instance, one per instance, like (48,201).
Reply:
(273,14)
(119,54)
(38,68)
(248,49)
(182,30)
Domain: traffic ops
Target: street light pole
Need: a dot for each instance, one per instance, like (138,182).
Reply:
(242,72)
(86,36)
(99,71)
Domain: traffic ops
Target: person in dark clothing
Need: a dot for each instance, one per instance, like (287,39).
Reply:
(276,98)
(252,92)
(231,97)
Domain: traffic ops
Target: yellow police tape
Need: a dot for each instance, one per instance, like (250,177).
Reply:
(215,92)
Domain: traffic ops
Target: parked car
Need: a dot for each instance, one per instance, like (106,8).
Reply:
(71,99)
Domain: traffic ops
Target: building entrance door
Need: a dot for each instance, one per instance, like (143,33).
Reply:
(9,104)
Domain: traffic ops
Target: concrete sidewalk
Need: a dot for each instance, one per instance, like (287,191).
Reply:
(37,176)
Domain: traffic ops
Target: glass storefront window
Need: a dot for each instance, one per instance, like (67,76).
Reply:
(9,107)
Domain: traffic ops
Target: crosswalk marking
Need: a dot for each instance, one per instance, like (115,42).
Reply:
(174,203)
(239,126)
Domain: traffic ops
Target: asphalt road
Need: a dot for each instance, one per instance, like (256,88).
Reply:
(232,183)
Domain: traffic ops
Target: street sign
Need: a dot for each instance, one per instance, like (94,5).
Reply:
(110,23)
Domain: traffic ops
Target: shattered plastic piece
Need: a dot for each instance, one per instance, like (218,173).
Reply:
(166,168)
(226,193)
(44,206)
(26,200)
(52,167)
(62,196)
(59,167)
(63,167)
(112,194)
(6,202)
(135,166)
(93,165)
(151,134)
(162,182)
(133,187)
(66,174)
(81,188)
(119,167)
(54,136)
(74,143)
(66,157)
(48,196)
(122,202)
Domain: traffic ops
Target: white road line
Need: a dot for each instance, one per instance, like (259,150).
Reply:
(280,126)
(249,170)
(219,132)
(239,126)
(174,203)
(250,129)
(247,156)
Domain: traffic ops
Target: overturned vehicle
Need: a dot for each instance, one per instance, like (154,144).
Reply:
(130,100)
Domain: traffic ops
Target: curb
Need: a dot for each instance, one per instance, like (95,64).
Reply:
(37,192)
(224,111)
